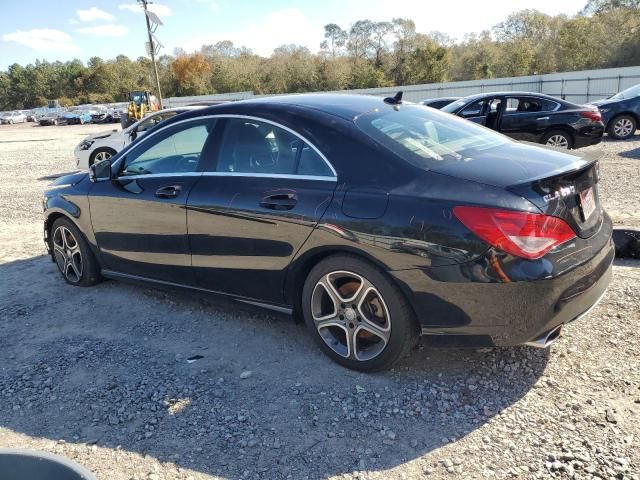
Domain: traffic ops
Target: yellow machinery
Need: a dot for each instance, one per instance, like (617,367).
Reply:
(140,103)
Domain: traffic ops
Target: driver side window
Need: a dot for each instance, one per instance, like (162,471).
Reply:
(176,150)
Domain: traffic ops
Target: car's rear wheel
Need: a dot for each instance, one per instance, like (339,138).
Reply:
(622,127)
(72,254)
(103,153)
(558,139)
(356,315)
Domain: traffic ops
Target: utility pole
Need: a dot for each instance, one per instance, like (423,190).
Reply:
(152,50)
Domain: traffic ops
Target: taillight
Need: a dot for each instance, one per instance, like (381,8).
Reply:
(526,235)
(593,115)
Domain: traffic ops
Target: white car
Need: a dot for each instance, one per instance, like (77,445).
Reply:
(13,117)
(104,145)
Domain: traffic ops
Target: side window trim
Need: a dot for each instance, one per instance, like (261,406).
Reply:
(148,137)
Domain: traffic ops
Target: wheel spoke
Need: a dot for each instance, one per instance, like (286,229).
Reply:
(330,278)
(58,249)
(352,344)
(76,268)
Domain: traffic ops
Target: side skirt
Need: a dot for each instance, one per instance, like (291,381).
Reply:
(145,280)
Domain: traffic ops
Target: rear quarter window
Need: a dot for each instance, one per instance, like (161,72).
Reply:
(426,138)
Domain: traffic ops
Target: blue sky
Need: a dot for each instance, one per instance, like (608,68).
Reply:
(67,29)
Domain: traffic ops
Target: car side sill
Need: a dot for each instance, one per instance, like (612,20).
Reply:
(136,278)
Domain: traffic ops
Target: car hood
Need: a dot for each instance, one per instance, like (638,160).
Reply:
(514,163)
(69,179)
(105,134)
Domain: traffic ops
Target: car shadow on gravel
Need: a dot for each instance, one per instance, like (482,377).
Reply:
(110,365)
(633,153)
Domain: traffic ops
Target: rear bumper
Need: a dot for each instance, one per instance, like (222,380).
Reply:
(522,303)
(589,136)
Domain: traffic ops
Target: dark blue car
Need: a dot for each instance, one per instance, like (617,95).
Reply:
(621,113)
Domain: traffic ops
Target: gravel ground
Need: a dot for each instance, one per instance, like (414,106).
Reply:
(102,375)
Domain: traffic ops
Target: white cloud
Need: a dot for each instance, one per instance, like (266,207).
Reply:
(158,8)
(266,34)
(42,39)
(92,14)
(107,30)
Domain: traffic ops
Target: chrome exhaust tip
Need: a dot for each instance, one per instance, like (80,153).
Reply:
(546,339)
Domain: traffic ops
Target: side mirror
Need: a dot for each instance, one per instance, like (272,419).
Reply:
(100,171)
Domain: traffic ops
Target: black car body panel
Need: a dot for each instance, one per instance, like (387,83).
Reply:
(534,116)
(255,237)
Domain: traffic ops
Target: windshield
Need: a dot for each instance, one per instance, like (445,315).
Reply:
(631,92)
(452,107)
(425,137)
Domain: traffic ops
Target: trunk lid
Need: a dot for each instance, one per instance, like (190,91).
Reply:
(560,184)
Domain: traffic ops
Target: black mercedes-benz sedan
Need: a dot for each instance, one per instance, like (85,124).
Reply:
(533,117)
(373,220)
(621,113)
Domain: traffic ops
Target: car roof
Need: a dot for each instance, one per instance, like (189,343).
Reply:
(343,105)
(512,94)
(438,99)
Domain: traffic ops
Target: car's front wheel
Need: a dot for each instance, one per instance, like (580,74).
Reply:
(99,154)
(622,127)
(72,254)
(357,315)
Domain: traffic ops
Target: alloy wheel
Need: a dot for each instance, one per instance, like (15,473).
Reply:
(559,141)
(67,254)
(102,156)
(350,315)
(623,127)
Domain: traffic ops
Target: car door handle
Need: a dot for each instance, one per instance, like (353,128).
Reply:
(169,191)
(280,201)
(542,118)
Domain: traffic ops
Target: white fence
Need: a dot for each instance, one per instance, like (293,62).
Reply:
(577,87)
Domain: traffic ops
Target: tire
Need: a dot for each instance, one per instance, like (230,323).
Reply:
(75,260)
(102,153)
(622,127)
(558,139)
(382,326)
(10,122)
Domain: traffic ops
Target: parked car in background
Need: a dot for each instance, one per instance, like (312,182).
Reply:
(533,117)
(438,103)
(114,115)
(49,118)
(13,117)
(104,145)
(621,113)
(32,116)
(374,221)
(75,117)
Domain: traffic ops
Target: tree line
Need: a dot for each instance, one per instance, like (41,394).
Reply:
(606,33)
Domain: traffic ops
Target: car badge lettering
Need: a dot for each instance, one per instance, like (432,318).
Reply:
(562,192)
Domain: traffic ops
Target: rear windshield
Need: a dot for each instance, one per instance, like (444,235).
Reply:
(425,137)
(631,92)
